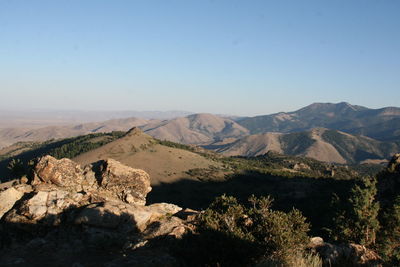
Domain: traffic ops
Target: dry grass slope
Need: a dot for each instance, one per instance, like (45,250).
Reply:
(138,150)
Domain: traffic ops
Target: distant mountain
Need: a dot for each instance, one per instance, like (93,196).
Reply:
(10,136)
(381,124)
(43,118)
(196,129)
(286,132)
(320,143)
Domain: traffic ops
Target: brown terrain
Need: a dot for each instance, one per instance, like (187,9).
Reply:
(295,133)
(9,136)
(196,129)
(343,148)
(139,150)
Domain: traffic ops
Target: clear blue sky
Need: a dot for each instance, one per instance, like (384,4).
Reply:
(233,57)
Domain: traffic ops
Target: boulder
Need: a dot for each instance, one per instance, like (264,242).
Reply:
(8,199)
(45,207)
(67,212)
(126,183)
(168,226)
(63,173)
(123,216)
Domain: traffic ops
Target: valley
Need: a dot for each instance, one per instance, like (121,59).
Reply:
(197,159)
(338,133)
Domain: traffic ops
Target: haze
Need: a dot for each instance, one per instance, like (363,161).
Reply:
(225,57)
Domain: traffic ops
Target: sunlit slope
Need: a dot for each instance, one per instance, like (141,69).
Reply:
(196,129)
(319,143)
(164,164)
(9,136)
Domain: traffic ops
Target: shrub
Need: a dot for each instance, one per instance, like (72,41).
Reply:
(232,234)
(16,167)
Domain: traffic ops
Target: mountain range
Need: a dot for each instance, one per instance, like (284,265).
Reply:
(382,124)
(319,143)
(341,133)
(9,136)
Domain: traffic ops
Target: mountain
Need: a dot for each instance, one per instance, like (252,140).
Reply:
(319,143)
(10,136)
(254,135)
(381,124)
(196,129)
(193,129)
(164,161)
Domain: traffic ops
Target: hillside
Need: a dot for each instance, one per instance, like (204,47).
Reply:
(205,129)
(319,143)
(9,136)
(196,129)
(381,124)
(165,164)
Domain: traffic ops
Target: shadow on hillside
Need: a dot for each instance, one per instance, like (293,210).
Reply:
(310,195)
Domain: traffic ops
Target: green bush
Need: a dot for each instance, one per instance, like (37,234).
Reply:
(233,234)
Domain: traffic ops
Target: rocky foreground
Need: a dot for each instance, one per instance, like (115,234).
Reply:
(96,216)
(65,215)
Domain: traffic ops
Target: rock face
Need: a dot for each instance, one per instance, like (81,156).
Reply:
(128,184)
(109,176)
(63,173)
(76,209)
(8,199)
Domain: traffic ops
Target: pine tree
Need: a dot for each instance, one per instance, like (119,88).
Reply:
(364,212)
(358,220)
(389,239)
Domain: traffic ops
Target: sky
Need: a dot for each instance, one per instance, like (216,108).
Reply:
(227,57)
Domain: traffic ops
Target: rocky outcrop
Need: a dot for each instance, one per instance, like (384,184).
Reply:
(110,177)
(75,209)
(62,173)
(344,254)
(116,215)
(8,198)
(128,184)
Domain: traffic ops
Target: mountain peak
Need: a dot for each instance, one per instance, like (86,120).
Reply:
(331,107)
(134,131)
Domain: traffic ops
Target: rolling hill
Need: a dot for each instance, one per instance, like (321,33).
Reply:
(165,164)
(320,143)
(372,134)
(9,136)
(196,129)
